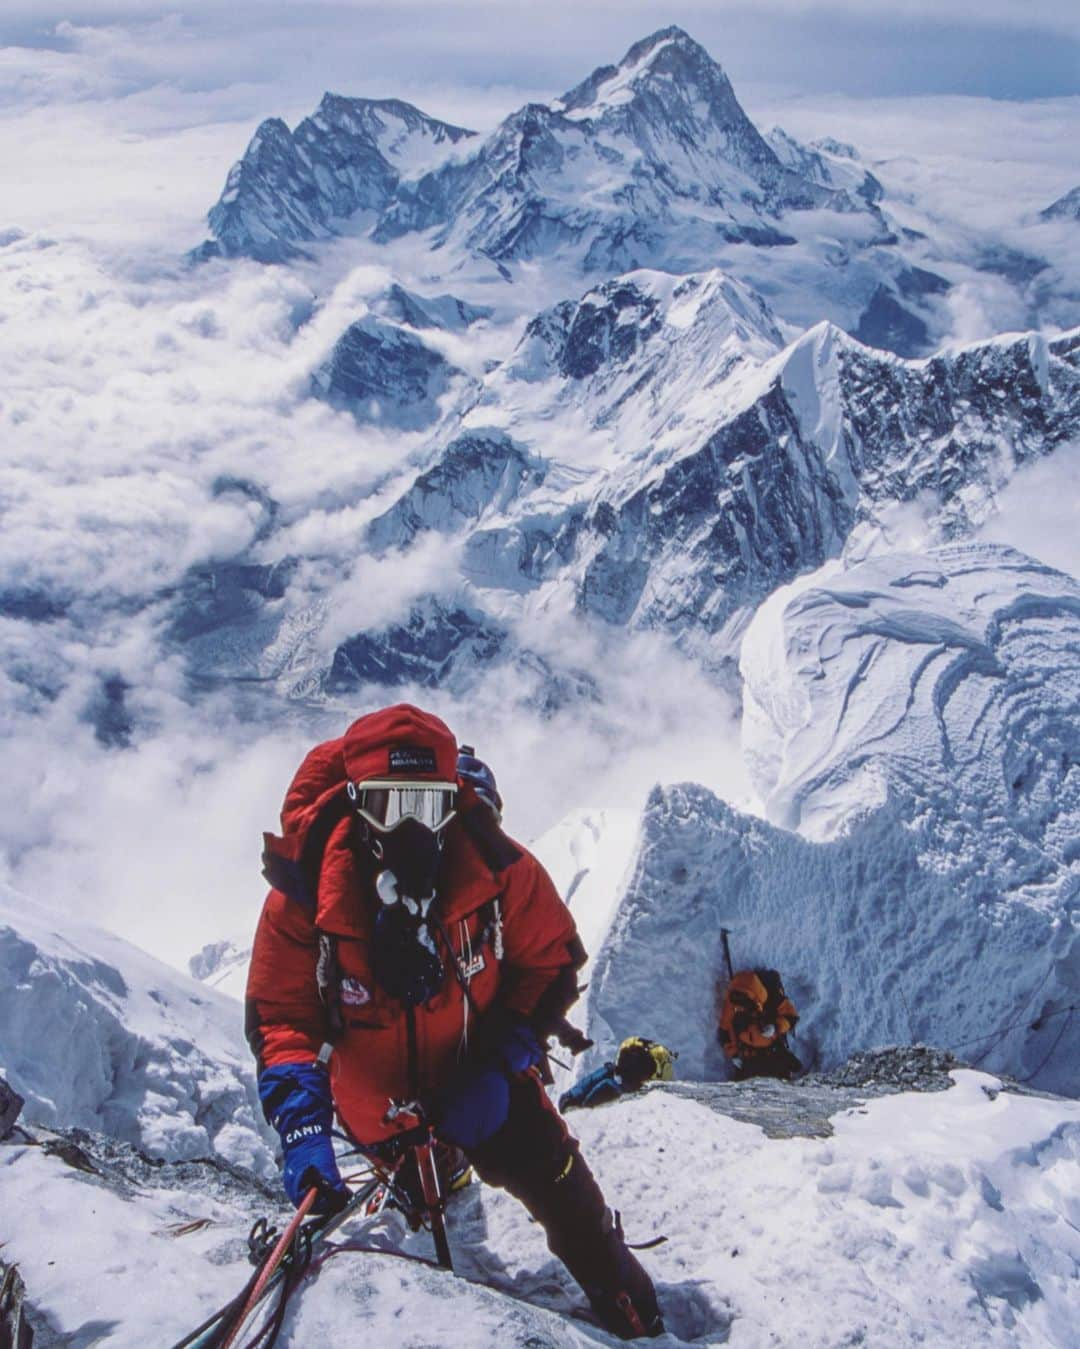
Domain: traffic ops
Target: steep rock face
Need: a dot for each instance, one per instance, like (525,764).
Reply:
(290,187)
(827,162)
(690,543)
(706,470)
(384,373)
(478,472)
(637,331)
(445,312)
(958,425)
(434,647)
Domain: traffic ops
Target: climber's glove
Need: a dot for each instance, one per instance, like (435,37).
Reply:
(476,1104)
(296,1100)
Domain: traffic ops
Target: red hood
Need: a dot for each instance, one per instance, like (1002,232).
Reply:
(400,741)
(362,753)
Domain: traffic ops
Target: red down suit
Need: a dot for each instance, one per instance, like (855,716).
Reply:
(513,938)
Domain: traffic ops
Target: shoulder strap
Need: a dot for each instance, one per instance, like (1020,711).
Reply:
(328,978)
(298,876)
(493,845)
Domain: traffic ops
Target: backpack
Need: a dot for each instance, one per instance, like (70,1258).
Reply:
(756,1015)
(640,1061)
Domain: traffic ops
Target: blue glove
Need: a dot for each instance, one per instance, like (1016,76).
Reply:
(516,1047)
(477,1104)
(296,1100)
(475,1107)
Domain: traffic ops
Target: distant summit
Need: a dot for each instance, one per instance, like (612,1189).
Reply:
(1065,208)
(649,162)
(669,83)
(292,188)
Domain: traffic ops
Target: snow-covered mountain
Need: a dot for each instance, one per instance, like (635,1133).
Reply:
(659,142)
(652,456)
(1066,207)
(292,188)
(649,163)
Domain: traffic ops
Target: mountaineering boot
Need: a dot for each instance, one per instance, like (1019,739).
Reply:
(588,1239)
(622,1295)
(534,1158)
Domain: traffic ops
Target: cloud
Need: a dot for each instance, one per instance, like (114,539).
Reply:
(1036,512)
(141,396)
(972,175)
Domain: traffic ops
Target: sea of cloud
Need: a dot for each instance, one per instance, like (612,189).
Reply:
(137,389)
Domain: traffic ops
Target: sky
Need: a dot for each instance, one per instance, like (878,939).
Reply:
(133,385)
(1001,49)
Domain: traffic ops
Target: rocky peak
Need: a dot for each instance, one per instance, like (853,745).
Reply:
(388,123)
(667,54)
(1065,208)
(349,156)
(670,81)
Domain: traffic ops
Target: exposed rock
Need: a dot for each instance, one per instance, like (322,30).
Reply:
(383,373)
(1065,208)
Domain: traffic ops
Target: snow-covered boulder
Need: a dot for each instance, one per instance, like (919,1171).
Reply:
(96,1033)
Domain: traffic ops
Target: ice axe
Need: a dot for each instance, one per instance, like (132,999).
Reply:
(724,932)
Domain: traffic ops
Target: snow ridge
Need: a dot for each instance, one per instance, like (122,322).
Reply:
(96,1033)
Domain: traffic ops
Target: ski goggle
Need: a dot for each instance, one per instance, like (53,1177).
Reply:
(384,804)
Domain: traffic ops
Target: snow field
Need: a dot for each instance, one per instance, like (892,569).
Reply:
(927,1219)
(949,1217)
(102,1268)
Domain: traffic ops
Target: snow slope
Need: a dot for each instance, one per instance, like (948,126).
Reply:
(924,1219)
(952,677)
(95,1033)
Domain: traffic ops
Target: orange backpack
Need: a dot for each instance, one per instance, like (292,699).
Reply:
(756,1014)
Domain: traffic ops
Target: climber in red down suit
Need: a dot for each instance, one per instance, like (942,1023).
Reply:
(409,951)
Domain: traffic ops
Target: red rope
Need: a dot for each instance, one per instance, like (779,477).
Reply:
(273,1260)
